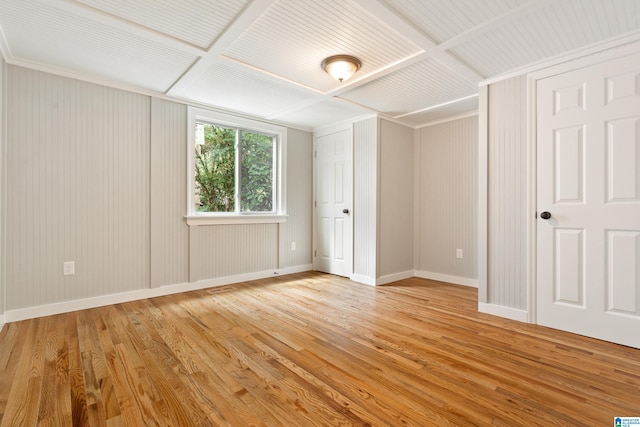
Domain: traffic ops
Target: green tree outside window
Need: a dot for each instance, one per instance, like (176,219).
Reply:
(216,165)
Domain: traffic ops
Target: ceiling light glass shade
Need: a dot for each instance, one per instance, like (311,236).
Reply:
(341,67)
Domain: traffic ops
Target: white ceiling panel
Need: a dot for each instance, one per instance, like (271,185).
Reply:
(424,84)
(39,33)
(421,59)
(293,37)
(437,115)
(443,20)
(325,113)
(231,87)
(197,22)
(562,27)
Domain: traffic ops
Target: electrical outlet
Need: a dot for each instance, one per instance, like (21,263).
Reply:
(293,246)
(459,253)
(69,268)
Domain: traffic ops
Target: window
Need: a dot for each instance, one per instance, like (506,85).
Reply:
(235,169)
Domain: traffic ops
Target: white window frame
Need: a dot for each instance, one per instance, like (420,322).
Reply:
(279,215)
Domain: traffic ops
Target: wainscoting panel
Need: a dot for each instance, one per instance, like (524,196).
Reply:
(396,198)
(365,196)
(78,174)
(169,231)
(297,229)
(229,250)
(448,198)
(507,158)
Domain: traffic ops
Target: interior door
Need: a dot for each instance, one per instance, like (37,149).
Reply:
(588,201)
(333,223)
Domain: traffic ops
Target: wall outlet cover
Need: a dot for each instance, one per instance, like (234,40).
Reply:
(69,268)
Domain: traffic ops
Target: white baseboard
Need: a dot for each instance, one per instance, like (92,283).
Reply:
(295,269)
(365,280)
(457,280)
(383,280)
(1,322)
(99,301)
(502,311)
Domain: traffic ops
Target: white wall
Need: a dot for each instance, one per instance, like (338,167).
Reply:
(507,194)
(365,200)
(169,249)
(383,201)
(396,199)
(447,201)
(299,201)
(77,189)
(97,176)
(2,190)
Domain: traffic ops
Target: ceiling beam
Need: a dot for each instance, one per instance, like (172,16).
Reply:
(390,17)
(506,18)
(245,18)
(437,107)
(113,21)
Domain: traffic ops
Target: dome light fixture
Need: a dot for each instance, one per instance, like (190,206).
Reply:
(341,67)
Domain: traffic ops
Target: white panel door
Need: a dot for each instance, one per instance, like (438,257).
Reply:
(588,181)
(333,241)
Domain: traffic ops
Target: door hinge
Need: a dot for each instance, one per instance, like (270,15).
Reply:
(315,203)
(315,253)
(315,154)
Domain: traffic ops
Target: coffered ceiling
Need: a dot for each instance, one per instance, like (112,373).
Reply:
(422,60)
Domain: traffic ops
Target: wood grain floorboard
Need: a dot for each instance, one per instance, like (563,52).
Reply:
(309,349)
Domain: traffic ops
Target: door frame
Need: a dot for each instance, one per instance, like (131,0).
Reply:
(596,54)
(325,131)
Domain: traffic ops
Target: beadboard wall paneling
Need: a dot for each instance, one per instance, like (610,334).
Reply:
(507,190)
(365,198)
(299,201)
(396,198)
(169,231)
(229,250)
(77,189)
(3,190)
(97,176)
(448,198)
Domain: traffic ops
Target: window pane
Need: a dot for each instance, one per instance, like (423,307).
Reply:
(257,170)
(215,168)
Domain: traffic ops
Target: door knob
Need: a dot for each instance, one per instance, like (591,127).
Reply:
(345,211)
(545,215)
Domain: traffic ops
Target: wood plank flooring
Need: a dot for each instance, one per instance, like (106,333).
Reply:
(309,350)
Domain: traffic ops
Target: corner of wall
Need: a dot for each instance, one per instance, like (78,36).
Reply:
(299,181)
(483,138)
(417,178)
(365,200)
(446,193)
(3,157)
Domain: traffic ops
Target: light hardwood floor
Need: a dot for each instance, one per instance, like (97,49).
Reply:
(305,350)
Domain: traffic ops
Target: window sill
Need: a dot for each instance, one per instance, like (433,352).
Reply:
(196,220)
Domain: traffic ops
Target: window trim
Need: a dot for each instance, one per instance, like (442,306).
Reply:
(279,214)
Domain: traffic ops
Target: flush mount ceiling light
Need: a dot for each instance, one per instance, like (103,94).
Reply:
(341,67)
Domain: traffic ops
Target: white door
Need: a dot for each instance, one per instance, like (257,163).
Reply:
(588,181)
(333,223)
